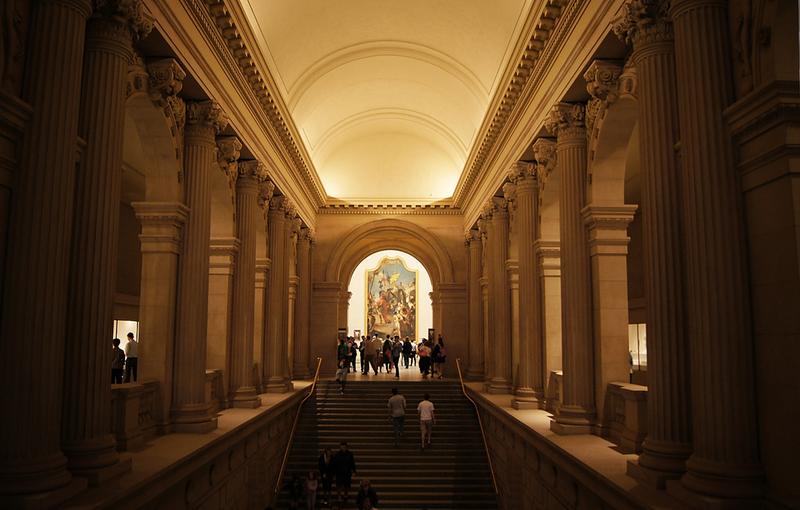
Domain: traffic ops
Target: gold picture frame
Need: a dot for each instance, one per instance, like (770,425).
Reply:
(391,299)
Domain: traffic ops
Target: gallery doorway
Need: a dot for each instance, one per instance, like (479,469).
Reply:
(390,294)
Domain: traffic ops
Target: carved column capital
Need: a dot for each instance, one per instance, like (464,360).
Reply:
(206,117)
(119,22)
(567,120)
(644,22)
(306,234)
(252,169)
(228,152)
(265,192)
(473,235)
(602,82)
(544,151)
(499,206)
(522,172)
(278,205)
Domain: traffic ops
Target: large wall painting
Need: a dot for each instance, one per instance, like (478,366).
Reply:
(391,304)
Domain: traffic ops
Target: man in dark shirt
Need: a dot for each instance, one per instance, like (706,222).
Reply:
(344,467)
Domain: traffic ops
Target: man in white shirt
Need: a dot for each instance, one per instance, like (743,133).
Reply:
(426,420)
(131,359)
(397,410)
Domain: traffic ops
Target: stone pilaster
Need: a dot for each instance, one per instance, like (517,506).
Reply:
(190,410)
(303,306)
(32,466)
(293,224)
(486,304)
(725,462)
(577,412)
(475,306)
(500,298)
(529,393)
(548,260)
(85,435)
(250,176)
(276,353)
(669,420)
(160,242)
(221,268)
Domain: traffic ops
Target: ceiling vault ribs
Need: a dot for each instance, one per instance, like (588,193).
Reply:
(216,18)
(370,49)
(534,58)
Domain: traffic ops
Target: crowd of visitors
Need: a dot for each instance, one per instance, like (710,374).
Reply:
(384,354)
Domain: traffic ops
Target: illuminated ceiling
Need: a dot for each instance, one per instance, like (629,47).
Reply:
(388,95)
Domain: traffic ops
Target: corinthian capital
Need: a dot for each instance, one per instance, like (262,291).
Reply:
(472,235)
(165,77)
(207,114)
(602,80)
(252,168)
(265,192)
(306,234)
(228,152)
(566,119)
(278,204)
(521,171)
(643,22)
(499,206)
(128,14)
(544,151)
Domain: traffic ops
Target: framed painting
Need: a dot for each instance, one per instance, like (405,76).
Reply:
(391,299)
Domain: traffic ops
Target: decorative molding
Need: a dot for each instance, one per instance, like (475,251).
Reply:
(216,20)
(388,209)
(602,83)
(532,62)
(228,152)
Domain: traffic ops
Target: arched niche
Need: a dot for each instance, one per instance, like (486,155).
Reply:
(608,151)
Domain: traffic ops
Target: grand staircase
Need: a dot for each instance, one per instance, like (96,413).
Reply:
(452,473)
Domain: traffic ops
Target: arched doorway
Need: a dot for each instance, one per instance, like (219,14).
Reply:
(390,293)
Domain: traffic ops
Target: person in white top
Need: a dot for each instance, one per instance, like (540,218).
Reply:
(131,359)
(426,420)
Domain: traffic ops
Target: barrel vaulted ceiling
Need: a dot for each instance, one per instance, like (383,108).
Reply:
(388,95)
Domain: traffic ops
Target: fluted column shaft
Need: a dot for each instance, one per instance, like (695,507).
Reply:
(725,461)
(577,411)
(190,410)
(85,434)
(276,342)
(289,294)
(244,280)
(501,302)
(475,306)
(669,420)
(303,307)
(530,390)
(37,257)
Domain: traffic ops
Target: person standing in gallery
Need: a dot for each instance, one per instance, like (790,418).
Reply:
(424,358)
(407,348)
(342,352)
(387,354)
(117,362)
(397,347)
(353,354)
(375,352)
(131,359)
(439,357)
(427,419)
(361,354)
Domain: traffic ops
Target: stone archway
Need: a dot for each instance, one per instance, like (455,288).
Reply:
(330,297)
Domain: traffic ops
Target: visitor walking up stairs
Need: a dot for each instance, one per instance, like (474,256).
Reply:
(452,473)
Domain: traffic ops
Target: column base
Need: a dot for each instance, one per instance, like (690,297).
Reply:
(474,374)
(566,429)
(50,499)
(246,397)
(526,398)
(498,385)
(650,477)
(193,419)
(572,420)
(697,501)
(278,385)
(99,476)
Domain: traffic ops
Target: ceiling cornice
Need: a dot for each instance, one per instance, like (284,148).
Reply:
(225,19)
(530,62)
(392,210)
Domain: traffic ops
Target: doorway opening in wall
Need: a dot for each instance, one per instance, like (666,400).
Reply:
(390,295)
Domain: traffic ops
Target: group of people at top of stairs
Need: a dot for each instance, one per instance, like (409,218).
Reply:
(384,353)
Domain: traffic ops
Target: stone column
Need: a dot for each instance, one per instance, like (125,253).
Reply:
(725,462)
(251,174)
(85,434)
(500,299)
(475,306)
(529,393)
(486,304)
(221,268)
(190,410)
(37,261)
(577,412)
(548,260)
(160,241)
(302,350)
(669,421)
(274,364)
(293,224)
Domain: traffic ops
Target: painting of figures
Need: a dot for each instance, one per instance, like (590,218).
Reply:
(392,299)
